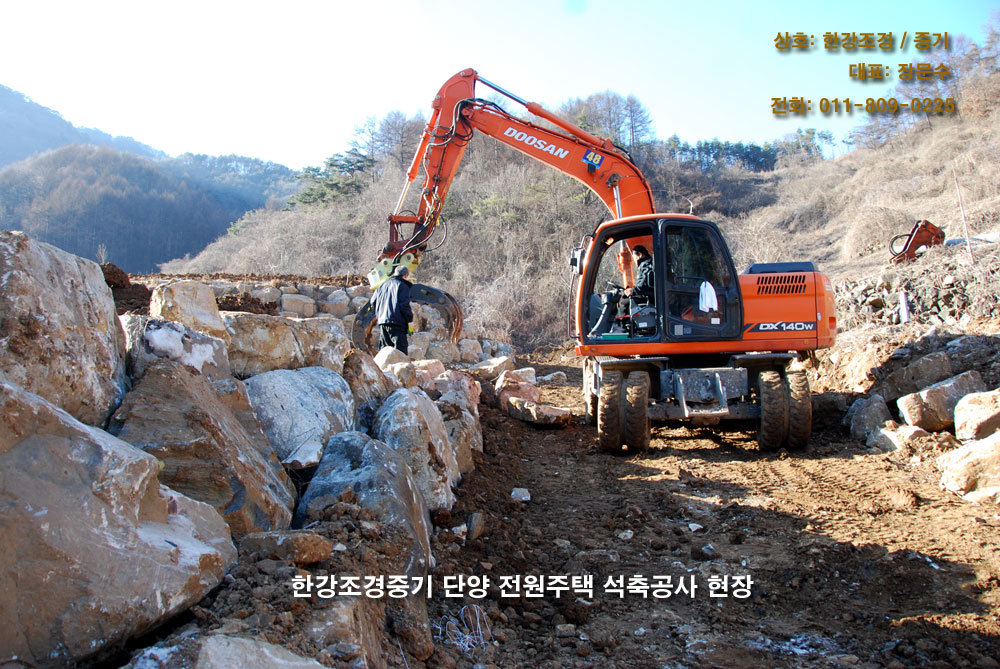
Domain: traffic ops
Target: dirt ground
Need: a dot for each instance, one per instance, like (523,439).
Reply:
(855,559)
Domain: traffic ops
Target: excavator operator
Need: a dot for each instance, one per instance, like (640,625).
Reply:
(642,292)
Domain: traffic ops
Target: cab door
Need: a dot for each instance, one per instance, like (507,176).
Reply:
(701,293)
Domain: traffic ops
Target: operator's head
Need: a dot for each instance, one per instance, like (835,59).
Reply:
(641,252)
(402,272)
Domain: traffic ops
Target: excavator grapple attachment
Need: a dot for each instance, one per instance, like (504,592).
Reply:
(364,323)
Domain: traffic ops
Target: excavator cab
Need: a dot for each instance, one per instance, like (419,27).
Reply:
(696,292)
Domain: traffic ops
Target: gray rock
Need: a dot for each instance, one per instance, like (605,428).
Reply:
(411,424)
(919,374)
(973,470)
(933,407)
(866,415)
(296,407)
(383,483)
(190,303)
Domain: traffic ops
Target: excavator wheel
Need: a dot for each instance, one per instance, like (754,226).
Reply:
(799,410)
(609,413)
(772,427)
(636,411)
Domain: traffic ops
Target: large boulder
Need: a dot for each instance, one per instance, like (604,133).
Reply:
(191,303)
(973,470)
(94,549)
(539,414)
(977,415)
(933,408)
(150,339)
(866,415)
(218,651)
(59,335)
(464,431)
(259,343)
(369,385)
(301,408)
(388,355)
(487,370)
(454,380)
(916,376)
(382,482)
(409,423)
(177,416)
(323,341)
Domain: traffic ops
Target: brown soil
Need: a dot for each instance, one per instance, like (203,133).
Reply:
(133,298)
(856,559)
(248,303)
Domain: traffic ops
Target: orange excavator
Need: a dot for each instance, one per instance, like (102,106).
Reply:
(695,341)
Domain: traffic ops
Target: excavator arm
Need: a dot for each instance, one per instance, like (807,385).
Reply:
(456,115)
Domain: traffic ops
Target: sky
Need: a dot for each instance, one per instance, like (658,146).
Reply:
(290,81)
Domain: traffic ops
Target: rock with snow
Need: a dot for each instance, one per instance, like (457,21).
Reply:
(973,470)
(916,376)
(933,408)
(977,415)
(539,414)
(388,355)
(411,424)
(866,415)
(190,303)
(259,343)
(176,415)
(96,550)
(151,339)
(301,406)
(487,370)
(59,335)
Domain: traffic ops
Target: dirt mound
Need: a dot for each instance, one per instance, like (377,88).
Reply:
(248,303)
(114,276)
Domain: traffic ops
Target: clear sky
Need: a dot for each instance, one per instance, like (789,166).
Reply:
(289,81)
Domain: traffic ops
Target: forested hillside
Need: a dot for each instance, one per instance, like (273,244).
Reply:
(102,204)
(27,128)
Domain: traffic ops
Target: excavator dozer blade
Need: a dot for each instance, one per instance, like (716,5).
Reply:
(363,336)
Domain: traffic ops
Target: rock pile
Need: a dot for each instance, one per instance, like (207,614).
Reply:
(943,290)
(937,397)
(135,452)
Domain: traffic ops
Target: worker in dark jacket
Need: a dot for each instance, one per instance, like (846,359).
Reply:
(392,309)
(642,292)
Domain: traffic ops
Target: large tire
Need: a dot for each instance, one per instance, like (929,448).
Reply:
(772,427)
(636,412)
(609,412)
(799,410)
